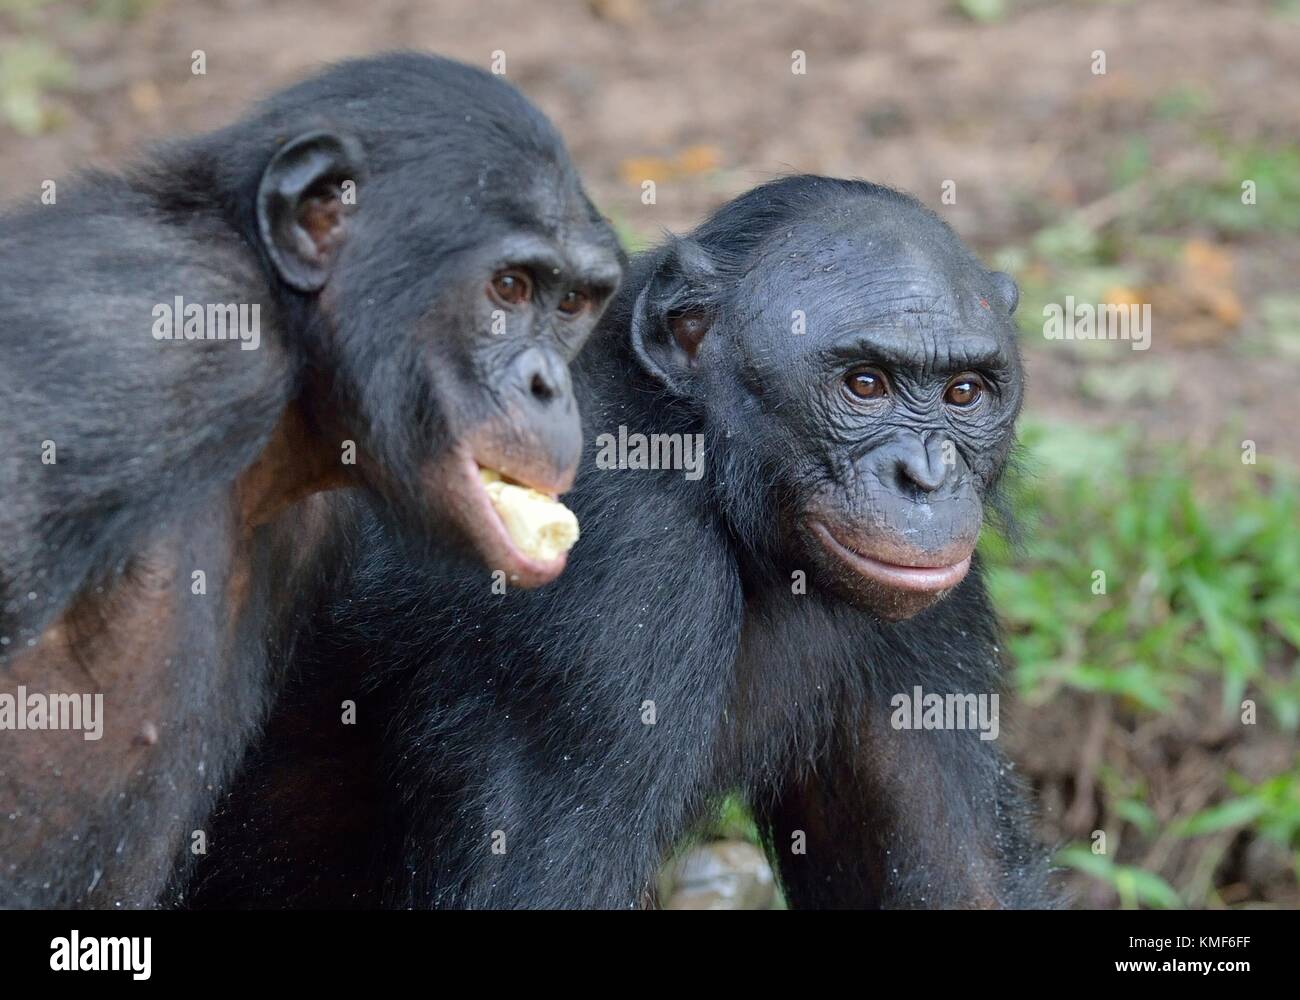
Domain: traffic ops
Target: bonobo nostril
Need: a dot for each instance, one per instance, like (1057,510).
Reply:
(542,390)
(542,375)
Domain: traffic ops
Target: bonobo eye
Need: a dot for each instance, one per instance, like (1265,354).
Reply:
(512,287)
(964,390)
(866,383)
(574,303)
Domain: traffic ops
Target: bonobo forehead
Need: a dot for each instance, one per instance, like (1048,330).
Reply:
(488,213)
(505,189)
(550,202)
(890,273)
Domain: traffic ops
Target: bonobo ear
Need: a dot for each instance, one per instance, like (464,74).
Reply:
(1006,290)
(673,313)
(301,209)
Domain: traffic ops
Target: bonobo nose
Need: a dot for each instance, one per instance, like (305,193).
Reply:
(543,442)
(544,378)
(919,463)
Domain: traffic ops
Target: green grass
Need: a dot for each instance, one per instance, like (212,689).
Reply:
(1202,574)
(1201,558)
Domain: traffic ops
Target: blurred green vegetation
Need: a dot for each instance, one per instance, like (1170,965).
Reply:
(634,239)
(1136,233)
(1214,201)
(29,69)
(1201,556)
(34,67)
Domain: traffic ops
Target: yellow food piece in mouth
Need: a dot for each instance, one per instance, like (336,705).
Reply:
(542,528)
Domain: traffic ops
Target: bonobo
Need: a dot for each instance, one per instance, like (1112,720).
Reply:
(762,629)
(375,280)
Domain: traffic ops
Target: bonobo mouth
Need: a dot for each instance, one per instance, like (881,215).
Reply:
(921,579)
(535,551)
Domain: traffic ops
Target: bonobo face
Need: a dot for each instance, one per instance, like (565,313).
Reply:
(513,312)
(897,402)
(452,294)
(872,361)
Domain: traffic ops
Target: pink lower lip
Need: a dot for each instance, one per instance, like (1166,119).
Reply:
(922,579)
(522,566)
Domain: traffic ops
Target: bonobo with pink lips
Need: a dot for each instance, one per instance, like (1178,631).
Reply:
(852,370)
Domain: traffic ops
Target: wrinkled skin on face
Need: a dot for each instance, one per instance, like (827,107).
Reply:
(522,309)
(451,320)
(874,360)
